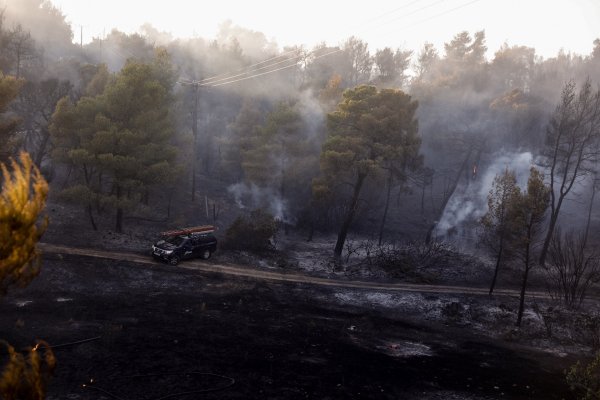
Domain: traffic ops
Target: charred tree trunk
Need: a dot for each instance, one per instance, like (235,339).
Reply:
(313,222)
(285,226)
(387,205)
(42,149)
(119,211)
(195,132)
(339,246)
(587,228)
(89,211)
(524,286)
(447,197)
(497,266)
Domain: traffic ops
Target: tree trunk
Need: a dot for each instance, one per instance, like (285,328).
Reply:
(431,192)
(447,197)
(423,199)
(312,224)
(42,149)
(387,205)
(67,178)
(587,228)
(523,287)
(285,225)
(89,210)
(195,132)
(119,211)
(551,226)
(497,266)
(339,246)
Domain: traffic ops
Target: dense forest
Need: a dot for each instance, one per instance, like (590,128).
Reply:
(131,116)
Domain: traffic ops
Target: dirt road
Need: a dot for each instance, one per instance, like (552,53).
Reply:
(284,276)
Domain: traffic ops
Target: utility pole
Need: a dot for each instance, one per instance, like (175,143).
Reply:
(81,37)
(100,40)
(195,132)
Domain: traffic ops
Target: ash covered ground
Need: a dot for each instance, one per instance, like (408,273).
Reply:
(284,340)
(274,340)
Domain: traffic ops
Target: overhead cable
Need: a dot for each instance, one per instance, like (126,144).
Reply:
(341,49)
(295,50)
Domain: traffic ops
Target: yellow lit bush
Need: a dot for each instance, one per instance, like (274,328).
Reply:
(22,201)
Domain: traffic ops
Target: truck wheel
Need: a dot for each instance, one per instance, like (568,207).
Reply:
(205,255)
(174,260)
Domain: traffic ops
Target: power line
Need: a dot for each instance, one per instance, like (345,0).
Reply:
(341,49)
(427,19)
(405,15)
(279,62)
(295,50)
(278,69)
(381,16)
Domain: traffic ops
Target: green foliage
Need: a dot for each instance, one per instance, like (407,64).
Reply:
(27,377)
(276,148)
(585,382)
(22,201)
(9,89)
(254,234)
(494,231)
(370,131)
(240,140)
(527,212)
(121,135)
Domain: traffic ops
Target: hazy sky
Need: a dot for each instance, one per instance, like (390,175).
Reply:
(546,25)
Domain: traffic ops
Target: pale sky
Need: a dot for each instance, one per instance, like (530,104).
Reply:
(547,25)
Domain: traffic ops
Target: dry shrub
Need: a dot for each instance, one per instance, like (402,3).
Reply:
(255,234)
(27,377)
(412,259)
(574,267)
(22,201)
(585,382)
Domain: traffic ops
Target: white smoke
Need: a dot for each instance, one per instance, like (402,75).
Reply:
(267,198)
(470,205)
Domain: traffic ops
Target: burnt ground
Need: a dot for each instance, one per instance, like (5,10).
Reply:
(275,340)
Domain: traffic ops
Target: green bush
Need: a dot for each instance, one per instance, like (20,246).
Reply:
(254,234)
(585,382)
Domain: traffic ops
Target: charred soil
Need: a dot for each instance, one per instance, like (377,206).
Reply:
(285,340)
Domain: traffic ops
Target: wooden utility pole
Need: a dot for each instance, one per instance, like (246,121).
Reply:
(195,132)
(81,36)
(99,40)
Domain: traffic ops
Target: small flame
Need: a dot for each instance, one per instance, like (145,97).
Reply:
(36,346)
(474,168)
(91,380)
(84,385)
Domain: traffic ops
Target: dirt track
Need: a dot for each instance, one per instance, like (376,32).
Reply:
(284,276)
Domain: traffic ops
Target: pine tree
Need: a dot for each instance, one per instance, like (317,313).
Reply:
(494,232)
(119,140)
(527,213)
(369,131)
(9,89)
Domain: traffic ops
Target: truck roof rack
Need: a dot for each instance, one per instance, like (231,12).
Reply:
(196,230)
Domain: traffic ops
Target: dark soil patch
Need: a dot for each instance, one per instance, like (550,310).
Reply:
(275,342)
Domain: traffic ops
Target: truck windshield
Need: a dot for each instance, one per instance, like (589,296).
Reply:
(175,240)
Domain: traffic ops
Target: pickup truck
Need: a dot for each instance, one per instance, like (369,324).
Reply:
(185,244)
